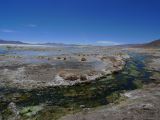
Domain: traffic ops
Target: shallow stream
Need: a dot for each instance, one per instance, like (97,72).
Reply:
(61,100)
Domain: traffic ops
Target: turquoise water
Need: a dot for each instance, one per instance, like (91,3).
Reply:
(3,51)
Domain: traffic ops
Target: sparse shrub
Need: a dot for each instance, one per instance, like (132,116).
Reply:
(83,59)
(8,47)
(59,58)
(64,58)
(83,77)
(71,77)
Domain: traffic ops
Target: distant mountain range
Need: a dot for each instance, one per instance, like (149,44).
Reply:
(19,42)
(11,42)
(49,44)
(155,43)
(58,44)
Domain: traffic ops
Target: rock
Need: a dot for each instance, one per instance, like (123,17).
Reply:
(12,107)
(82,106)
(12,112)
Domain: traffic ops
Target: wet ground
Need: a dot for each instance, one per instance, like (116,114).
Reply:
(52,102)
(32,67)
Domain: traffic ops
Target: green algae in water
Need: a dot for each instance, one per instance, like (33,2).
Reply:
(137,84)
(30,111)
(113,97)
(134,73)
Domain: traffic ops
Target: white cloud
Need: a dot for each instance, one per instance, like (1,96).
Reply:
(7,31)
(31,25)
(105,42)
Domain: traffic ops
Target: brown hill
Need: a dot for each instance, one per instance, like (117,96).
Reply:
(155,43)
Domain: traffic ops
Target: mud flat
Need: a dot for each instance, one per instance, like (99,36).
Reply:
(40,66)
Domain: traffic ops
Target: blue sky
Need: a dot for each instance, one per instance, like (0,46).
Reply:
(102,22)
